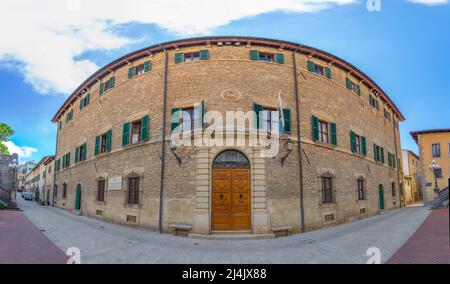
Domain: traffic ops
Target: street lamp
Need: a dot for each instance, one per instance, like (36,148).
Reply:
(436,170)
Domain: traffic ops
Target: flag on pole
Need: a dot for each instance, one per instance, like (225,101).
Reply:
(280,109)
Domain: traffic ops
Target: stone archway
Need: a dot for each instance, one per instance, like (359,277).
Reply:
(231,192)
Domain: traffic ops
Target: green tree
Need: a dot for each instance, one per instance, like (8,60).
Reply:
(5,132)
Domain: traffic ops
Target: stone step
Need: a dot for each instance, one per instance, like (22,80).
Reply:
(235,236)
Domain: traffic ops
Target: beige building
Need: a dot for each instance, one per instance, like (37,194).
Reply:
(39,181)
(411,177)
(434,145)
(114,160)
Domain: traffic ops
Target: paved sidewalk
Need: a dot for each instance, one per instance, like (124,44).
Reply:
(102,242)
(429,244)
(22,242)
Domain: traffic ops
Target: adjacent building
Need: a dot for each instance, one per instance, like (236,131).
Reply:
(40,180)
(22,171)
(339,153)
(434,145)
(411,177)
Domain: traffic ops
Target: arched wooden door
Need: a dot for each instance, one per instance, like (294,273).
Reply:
(231,192)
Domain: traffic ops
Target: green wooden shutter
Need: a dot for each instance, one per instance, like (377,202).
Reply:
(333,133)
(353,141)
(87,99)
(68,159)
(254,54)
(81,104)
(382,154)
(375,152)
(108,140)
(287,120)
(204,54)
(77,152)
(147,66)
(348,83)
(144,128)
(202,115)
(179,57)
(328,72)
(175,120)
(130,72)
(126,134)
(358,89)
(394,160)
(257,109)
(363,146)
(112,80)
(102,87)
(83,152)
(63,161)
(315,128)
(279,58)
(311,66)
(97,145)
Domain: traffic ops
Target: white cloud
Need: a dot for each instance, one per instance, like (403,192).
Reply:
(47,35)
(24,152)
(430,2)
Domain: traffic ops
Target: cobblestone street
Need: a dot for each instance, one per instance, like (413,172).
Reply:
(102,242)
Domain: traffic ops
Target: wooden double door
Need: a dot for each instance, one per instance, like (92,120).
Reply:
(231,199)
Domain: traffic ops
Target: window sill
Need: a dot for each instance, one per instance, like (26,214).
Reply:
(132,205)
(328,205)
(100,202)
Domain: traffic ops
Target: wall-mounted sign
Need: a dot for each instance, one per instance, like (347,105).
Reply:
(115,183)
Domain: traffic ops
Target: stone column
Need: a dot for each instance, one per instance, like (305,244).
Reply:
(201,218)
(260,214)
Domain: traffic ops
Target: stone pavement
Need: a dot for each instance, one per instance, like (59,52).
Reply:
(102,242)
(22,242)
(429,244)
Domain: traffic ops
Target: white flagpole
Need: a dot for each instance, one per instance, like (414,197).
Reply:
(280,109)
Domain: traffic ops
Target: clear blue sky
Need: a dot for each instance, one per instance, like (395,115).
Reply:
(405,48)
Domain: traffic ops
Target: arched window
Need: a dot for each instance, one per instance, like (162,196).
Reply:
(231,159)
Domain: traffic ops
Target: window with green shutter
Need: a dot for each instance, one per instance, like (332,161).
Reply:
(363,146)
(348,83)
(179,57)
(311,66)
(147,66)
(108,141)
(279,58)
(353,142)
(112,80)
(257,109)
(144,128)
(333,134)
(131,72)
(199,113)
(358,89)
(382,155)
(126,134)
(328,72)
(254,54)
(97,145)
(287,120)
(204,54)
(83,152)
(102,88)
(175,120)
(77,153)
(315,128)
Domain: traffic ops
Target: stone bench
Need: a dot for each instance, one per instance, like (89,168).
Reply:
(282,230)
(181,229)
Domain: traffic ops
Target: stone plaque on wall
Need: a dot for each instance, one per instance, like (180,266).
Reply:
(115,183)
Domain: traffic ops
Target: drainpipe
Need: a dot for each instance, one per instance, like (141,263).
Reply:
(54,166)
(400,191)
(163,144)
(299,144)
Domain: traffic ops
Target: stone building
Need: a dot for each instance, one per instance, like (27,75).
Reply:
(40,182)
(411,177)
(434,145)
(22,171)
(115,159)
(8,183)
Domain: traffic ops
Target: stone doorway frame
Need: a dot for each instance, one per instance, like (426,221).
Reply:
(260,217)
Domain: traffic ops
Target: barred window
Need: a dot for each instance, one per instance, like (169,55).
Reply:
(133,190)
(327,190)
(101,190)
(361,194)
